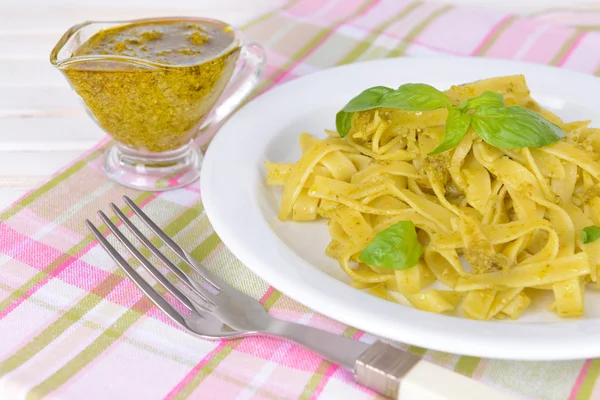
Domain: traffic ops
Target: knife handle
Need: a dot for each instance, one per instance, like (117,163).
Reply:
(405,376)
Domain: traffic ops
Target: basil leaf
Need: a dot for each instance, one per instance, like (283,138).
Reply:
(343,122)
(396,247)
(409,97)
(590,234)
(485,99)
(367,99)
(416,97)
(457,125)
(514,127)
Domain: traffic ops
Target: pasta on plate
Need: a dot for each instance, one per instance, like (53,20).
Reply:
(491,223)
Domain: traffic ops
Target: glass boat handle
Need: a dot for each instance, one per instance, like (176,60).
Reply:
(250,68)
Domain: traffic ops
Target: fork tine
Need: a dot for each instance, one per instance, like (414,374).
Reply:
(145,263)
(154,250)
(148,290)
(184,255)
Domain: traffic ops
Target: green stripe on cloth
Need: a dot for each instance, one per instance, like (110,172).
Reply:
(115,331)
(566,47)
(97,327)
(417,350)
(266,16)
(272,299)
(58,327)
(314,380)
(91,300)
(350,332)
(51,267)
(417,30)
(37,278)
(364,45)
(590,28)
(45,188)
(206,370)
(206,247)
(82,359)
(311,44)
(201,251)
(319,374)
(467,365)
(497,33)
(587,387)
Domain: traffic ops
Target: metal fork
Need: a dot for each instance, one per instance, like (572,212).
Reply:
(215,310)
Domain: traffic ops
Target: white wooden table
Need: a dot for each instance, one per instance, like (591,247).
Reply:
(42,124)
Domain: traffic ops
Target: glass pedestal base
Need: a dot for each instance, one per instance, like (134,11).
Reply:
(153,171)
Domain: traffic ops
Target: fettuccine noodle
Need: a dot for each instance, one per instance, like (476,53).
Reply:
(494,223)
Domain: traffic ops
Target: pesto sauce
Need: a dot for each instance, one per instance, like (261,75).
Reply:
(154,108)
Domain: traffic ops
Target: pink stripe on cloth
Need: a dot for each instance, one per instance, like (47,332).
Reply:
(125,294)
(82,275)
(358,335)
(490,34)
(326,376)
(403,28)
(43,282)
(416,42)
(547,45)
(297,357)
(25,249)
(59,237)
(580,379)
(585,57)
(267,294)
(508,44)
(371,20)
(300,59)
(287,314)
(443,35)
(54,273)
(571,49)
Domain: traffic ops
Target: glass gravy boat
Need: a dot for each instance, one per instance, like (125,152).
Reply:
(154,111)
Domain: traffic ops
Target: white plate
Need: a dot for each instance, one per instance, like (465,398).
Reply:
(290,256)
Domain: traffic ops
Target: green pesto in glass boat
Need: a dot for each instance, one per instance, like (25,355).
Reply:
(151,84)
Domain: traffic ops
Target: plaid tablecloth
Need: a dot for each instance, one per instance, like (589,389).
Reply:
(72,326)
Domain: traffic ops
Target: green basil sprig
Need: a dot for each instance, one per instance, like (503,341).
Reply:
(514,127)
(397,247)
(485,99)
(509,127)
(409,97)
(457,125)
(590,234)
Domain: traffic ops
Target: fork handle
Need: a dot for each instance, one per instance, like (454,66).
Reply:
(388,370)
(404,376)
(338,349)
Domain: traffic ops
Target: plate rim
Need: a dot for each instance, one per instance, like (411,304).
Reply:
(458,340)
